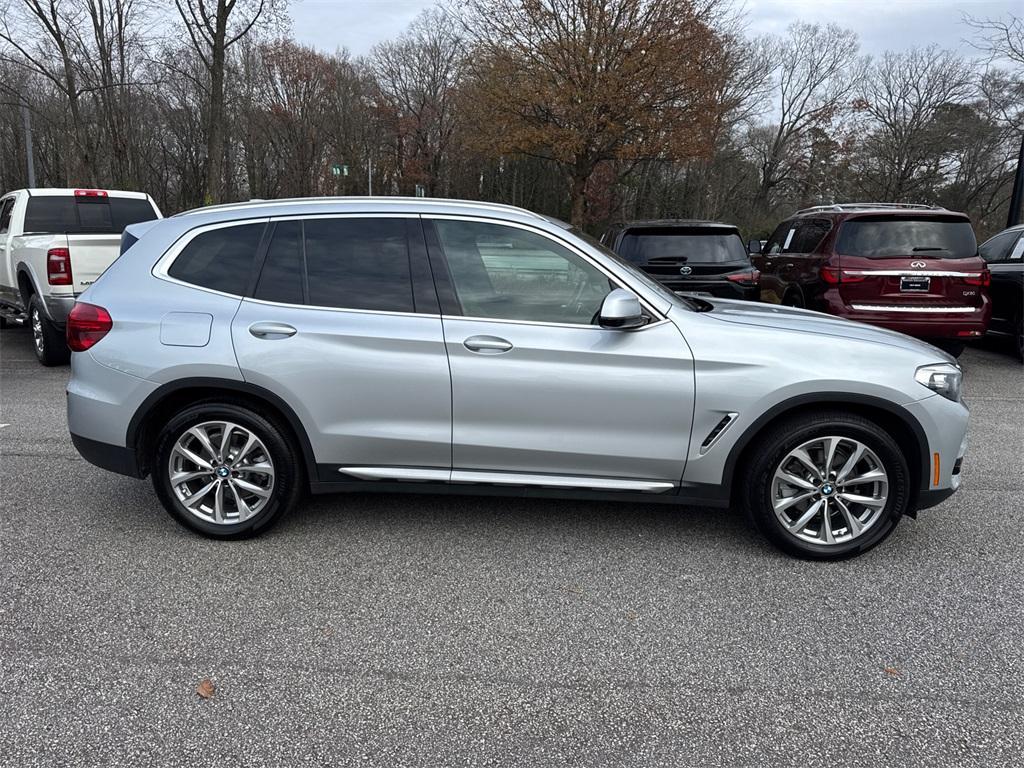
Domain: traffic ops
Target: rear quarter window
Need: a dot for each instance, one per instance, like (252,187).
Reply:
(219,259)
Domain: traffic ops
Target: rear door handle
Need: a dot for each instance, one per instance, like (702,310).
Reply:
(487,345)
(271,330)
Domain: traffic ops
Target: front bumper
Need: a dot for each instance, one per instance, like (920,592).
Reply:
(945,426)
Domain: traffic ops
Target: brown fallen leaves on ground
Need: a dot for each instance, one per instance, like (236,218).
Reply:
(206,688)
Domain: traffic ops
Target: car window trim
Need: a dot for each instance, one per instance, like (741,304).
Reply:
(435,243)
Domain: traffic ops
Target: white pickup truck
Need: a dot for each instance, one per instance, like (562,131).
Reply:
(54,243)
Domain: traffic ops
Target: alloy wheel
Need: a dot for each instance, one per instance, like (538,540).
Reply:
(221,472)
(829,490)
(37,331)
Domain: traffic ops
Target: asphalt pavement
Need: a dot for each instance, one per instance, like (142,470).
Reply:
(431,631)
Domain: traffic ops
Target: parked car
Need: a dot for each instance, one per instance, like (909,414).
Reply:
(1004,254)
(54,243)
(910,268)
(240,353)
(688,256)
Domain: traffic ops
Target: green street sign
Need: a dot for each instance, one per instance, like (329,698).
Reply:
(336,169)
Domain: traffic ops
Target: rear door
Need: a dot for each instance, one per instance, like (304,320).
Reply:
(927,261)
(344,326)
(541,394)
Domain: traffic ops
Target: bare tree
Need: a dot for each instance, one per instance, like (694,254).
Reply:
(213,27)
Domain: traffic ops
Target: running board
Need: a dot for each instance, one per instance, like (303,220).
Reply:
(419,474)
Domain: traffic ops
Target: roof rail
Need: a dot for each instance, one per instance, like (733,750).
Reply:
(840,207)
(389,200)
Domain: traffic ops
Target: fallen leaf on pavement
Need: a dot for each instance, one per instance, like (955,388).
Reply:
(892,671)
(206,688)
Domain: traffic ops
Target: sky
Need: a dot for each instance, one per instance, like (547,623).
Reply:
(881,24)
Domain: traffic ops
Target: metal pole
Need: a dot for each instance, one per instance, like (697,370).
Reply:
(1013,217)
(27,121)
(369,177)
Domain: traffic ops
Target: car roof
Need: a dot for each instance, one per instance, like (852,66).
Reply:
(70,191)
(305,205)
(852,210)
(656,223)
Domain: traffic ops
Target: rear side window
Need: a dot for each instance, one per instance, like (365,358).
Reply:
(281,278)
(358,264)
(892,236)
(706,245)
(85,215)
(219,259)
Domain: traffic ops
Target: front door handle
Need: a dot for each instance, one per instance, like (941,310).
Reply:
(487,345)
(271,330)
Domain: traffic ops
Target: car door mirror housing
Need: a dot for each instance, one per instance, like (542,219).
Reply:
(754,246)
(621,309)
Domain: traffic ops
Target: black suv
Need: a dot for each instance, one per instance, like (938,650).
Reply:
(688,256)
(1005,256)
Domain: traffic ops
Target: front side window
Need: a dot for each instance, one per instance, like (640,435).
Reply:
(893,236)
(219,259)
(997,248)
(781,237)
(6,207)
(508,273)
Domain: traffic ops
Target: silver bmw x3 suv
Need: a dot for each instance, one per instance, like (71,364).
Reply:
(241,354)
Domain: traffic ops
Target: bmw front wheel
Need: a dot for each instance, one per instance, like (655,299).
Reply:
(827,485)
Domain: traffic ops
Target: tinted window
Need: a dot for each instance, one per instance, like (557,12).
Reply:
(514,274)
(281,278)
(778,238)
(220,259)
(5,214)
(696,244)
(933,237)
(86,215)
(809,234)
(998,247)
(358,264)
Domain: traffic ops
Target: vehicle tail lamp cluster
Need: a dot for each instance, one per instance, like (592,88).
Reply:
(835,275)
(87,324)
(746,277)
(58,266)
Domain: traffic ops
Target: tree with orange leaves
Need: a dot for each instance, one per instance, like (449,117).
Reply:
(592,82)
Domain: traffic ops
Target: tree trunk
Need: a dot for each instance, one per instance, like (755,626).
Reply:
(215,130)
(578,178)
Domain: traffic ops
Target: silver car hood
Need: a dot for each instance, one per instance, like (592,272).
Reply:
(807,321)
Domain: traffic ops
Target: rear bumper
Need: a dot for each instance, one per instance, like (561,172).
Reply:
(920,321)
(113,458)
(58,307)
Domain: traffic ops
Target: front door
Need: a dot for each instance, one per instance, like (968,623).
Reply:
(541,394)
(340,329)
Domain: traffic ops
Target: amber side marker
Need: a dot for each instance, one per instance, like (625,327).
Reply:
(936,468)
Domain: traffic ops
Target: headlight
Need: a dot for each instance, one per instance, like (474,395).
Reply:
(942,378)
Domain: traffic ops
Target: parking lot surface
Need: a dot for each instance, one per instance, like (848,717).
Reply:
(415,630)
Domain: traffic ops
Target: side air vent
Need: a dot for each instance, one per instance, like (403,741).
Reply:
(717,432)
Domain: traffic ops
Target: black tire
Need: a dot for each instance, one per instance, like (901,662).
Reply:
(793,299)
(288,468)
(47,339)
(767,454)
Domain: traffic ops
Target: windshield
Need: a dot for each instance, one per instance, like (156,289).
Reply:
(697,244)
(931,237)
(634,273)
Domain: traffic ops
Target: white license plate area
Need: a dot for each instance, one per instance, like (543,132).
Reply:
(915,283)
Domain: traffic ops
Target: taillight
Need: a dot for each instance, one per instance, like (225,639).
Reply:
(983,278)
(90,193)
(87,324)
(58,266)
(748,277)
(834,276)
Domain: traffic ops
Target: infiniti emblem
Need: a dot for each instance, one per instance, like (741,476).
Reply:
(918,264)
(685,270)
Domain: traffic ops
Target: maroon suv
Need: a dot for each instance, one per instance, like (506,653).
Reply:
(911,268)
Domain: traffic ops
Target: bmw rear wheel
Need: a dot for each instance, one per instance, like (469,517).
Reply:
(225,471)
(828,485)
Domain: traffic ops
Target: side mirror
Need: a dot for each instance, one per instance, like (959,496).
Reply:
(754,246)
(621,309)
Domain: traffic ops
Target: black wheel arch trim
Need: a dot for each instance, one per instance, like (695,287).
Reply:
(834,400)
(134,433)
